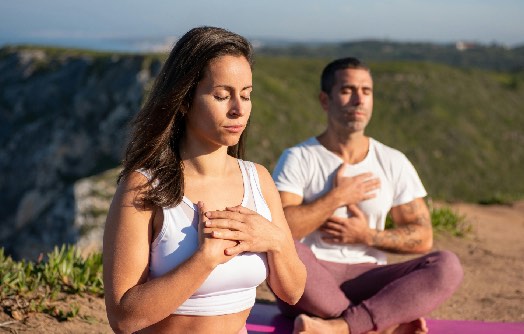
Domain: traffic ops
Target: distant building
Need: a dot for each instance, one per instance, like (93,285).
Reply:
(463,46)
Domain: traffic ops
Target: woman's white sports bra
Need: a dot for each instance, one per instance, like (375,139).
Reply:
(231,287)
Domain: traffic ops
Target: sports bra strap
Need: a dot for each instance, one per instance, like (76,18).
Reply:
(260,203)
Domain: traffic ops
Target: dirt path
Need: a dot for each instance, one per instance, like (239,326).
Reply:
(493,288)
(493,261)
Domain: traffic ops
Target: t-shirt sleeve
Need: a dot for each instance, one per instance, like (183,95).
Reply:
(408,186)
(289,174)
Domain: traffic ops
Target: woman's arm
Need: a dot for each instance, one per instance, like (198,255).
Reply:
(287,274)
(132,301)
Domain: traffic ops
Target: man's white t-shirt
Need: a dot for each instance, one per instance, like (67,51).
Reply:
(308,170)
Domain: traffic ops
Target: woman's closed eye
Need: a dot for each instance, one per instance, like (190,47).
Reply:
(221,98)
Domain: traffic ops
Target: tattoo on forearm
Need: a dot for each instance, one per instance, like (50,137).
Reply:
(405,237)
(402,237)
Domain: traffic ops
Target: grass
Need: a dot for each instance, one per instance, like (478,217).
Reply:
(28,286)
(446,220)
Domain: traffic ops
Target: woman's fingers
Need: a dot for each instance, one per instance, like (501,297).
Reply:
(201,221)
(240,209)
(228,235)
(237,218)
(235,250)
(228,214)
(229,224)
(254,232)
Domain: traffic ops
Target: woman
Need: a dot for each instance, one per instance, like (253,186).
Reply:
(173,266)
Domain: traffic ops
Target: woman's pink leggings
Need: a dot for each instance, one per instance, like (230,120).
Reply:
(374,297)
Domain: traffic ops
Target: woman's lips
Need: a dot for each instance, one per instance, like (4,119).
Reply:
(234,128)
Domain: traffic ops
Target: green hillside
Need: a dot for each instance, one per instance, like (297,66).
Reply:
(463,129)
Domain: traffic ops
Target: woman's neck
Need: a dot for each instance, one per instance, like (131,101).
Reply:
(198,160)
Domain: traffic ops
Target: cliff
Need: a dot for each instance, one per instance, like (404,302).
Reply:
(63,117)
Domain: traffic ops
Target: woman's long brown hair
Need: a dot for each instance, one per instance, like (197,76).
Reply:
(159,126)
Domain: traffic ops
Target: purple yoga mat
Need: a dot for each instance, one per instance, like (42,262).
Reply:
(266,318)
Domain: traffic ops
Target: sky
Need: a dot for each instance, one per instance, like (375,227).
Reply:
(439,21)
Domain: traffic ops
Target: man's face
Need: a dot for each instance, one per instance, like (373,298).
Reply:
(350,104)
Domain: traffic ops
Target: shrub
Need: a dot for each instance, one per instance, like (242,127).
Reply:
(28,286)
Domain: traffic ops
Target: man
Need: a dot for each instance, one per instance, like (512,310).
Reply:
(336,190)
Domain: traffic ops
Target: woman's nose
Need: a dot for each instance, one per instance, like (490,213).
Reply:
(237,107)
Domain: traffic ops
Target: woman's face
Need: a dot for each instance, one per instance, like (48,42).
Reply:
(222,103)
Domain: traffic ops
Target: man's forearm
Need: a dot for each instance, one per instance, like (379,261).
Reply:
(412,233)
(410,238)
(306,218)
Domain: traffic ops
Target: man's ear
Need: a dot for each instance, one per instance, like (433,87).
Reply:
(323,97)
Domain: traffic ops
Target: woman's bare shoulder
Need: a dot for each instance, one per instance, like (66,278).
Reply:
(132,189)
(266,181)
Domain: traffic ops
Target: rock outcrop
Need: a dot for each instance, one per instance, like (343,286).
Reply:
(63,117)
